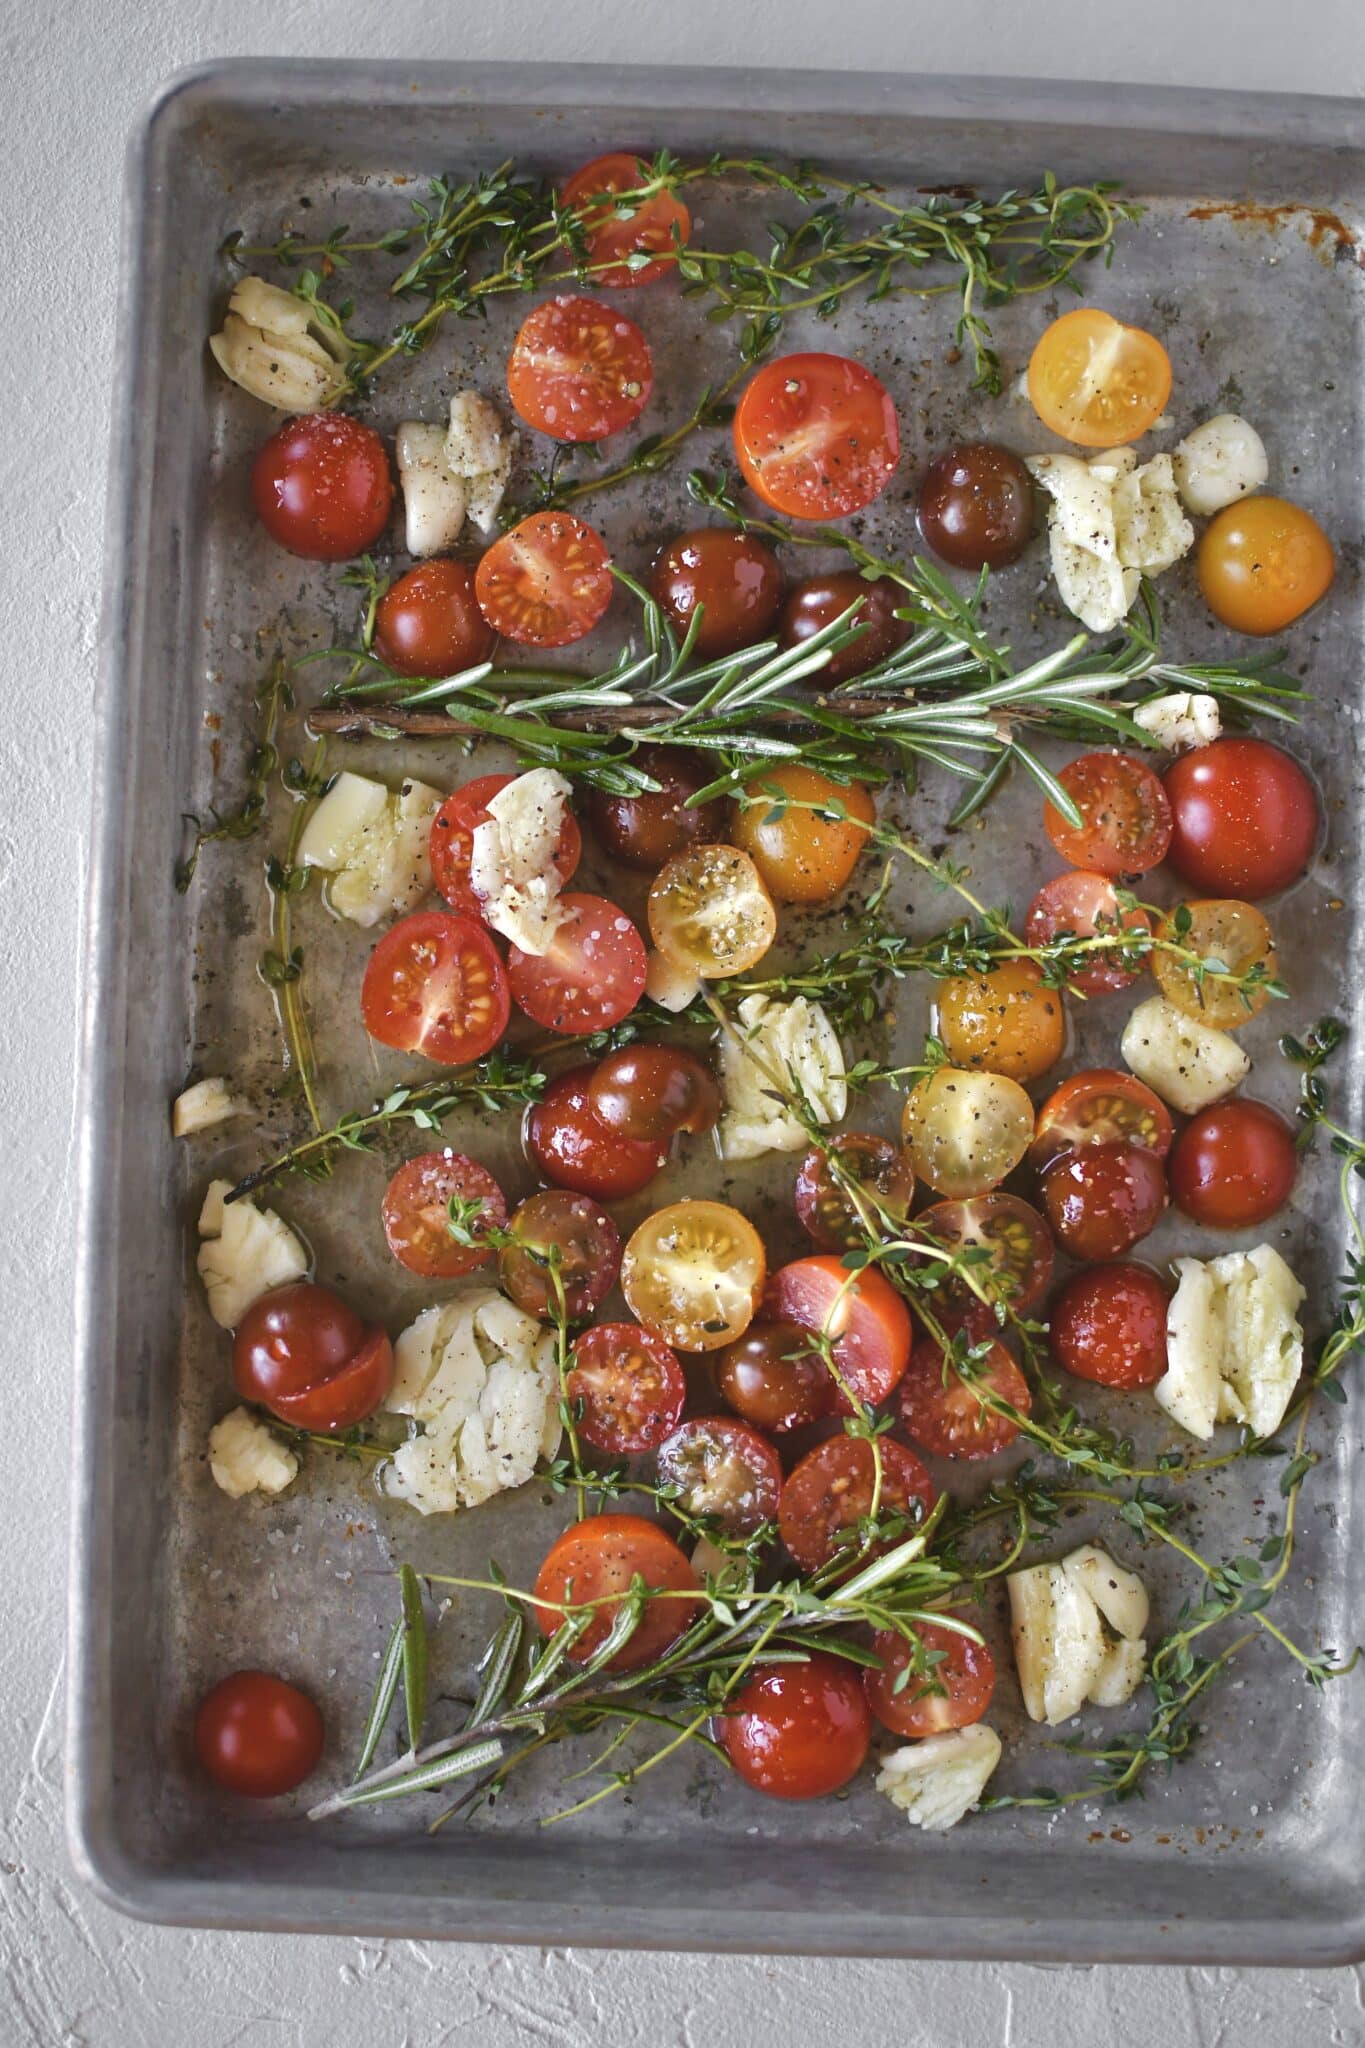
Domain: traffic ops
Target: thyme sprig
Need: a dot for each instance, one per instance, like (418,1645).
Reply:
(274,698)
(281,965)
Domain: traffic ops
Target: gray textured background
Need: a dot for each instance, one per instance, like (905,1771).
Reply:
(71,1973)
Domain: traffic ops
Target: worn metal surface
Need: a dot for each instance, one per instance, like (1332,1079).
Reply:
(1248,1852)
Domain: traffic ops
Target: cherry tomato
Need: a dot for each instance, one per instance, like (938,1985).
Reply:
(303,1354)
(1007,1021)
(427,623)
(1008,1244)
(452,842)
(650,1092)
(966,1131)
(826,1209)
(545,583)
(579,371)
(646,830)
(598,1560)
(640,247)
(574,1148)
(821,600)
(804,855)
(1263,563)
(1109,1325)
(772,1378)
(593,974)
(728,1473)
(416,1213)
(694,1273)
(951,1689)
(1100,1107)
(257,1735)
(1104,1198)
(948,1412)
(865,1319)
(628,1386)
(797,1731)
(976,506)
(731,578)
(1086,906)
(435,984)
(1245,817)
(321,487)
(830,1492)
(1096,382)
(1233,1165)
(709,910)
(1126,826)
(589,1254)
(816,436)
(1225,937)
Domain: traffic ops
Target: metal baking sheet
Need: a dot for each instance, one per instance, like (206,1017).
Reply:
(1249,1853)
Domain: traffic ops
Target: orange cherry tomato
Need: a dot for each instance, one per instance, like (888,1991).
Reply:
(545,583)
(1262,563)
(816,436)
(797,1731)
(1007,1021)
(640,233)
(1096,382)
(598,1560)
(951,1691)
(1224,936)
(257,1735)
(804,855)
(694,1272)
(579,371)
(435,984)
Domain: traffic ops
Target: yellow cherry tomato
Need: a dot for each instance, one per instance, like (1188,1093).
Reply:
(1262,563)
(1007,1021)
(1224,935)
(803,857)
(1096,382)
(710,911)
(965,1131)
(693,1273)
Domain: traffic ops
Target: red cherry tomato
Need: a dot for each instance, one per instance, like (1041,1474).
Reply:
(578,1233)
(1126,819)
(867,1320)
(1086,907)
(797,1731)
(725,1472)
(321,487)
(650,1092)
(1011,1248)
(1109,1325)
(545,583)
(257,1735)
(427,623)
(579,371)
(593,974)
(640,247)
(772,1378)
(951,1690)
(816,436)
(947,1412)
(435,984)
(1246,818)
(825,1208)
(831,1491)
(1100,1107)
(598,1560)
(1233,1165)
(301,1352)
(629,1387)
(452,842)
(416,1213)
(574,1149)
(646,830)
(1103,1199)
(732,579)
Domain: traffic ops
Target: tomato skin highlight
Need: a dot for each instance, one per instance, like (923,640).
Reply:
(452,842)
(650,1092)
(1262,563)
(772,1379)
(435,984)
(630,1385)
(733,579)
(579,371)
(867,1320)
(1104,1199)
(726,1471)
(593,974)
(1007,1022)
(1085,905)
(966,1673)
(650,230)
(816,436)
(1245,818)
(820,600)
(597,1559)
(1108,1326)
(322,488)
(428,623)
(797,1731)
(574,1148)
(303,1353)
(646,830)
(1125,812)
(257,1735)
(946,1415)
(1234,1164)
(802,856)
(976,506)
(547,582)
(416,1208)
(831,1490)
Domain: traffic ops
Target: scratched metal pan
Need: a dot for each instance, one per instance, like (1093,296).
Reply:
(1252,1850)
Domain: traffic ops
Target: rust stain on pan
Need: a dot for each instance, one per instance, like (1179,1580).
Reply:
(1327,232)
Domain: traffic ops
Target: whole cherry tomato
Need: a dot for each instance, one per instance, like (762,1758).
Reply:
(1233,1165)
(573,1147)
(732,579)
(1263,563)
(820,600)
(646,830)
(258,1735)
(976,506)
(1007,1021)
(803,831)
(301,1352)
(648,1093)
(797,1731)
(321,486)
(1109,1325)
(1245,818)
(427,623)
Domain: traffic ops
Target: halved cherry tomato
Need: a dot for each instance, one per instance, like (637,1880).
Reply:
(1263,563)
(772,1378)
(1126,818)
(640,233)
(1233,1165)
(545,583)
(732,579)
(1009,1248)
(1225,937)
(650,1092)
(948,1411)
(301,1352)
(865,1319)
(574,1148)
(257,1735)
(825,1208)
(816,436)
(1103,1199)
(694,1272)
(435,984)
(428,623)
(804,855)
(1008,1021)
(646,830)
(1109,1325)
(710,910)
(1096,382)
(579,371)
(322,488)
(1086,906)
(572,1230)
(598,1560)
(797,1731)
(831,1491)
(726,1472)
(593,974)
(1245,818)
(951,1689)
(1100,1107)
(452,842)
(416,1213)
(965,1130)
(629,1388)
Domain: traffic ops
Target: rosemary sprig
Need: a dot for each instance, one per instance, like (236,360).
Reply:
(274,698)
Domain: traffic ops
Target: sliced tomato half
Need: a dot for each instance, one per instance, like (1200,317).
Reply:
(435,984)
(545,583)
(579,371)
(593,974)
(1102,1106)
(816,436)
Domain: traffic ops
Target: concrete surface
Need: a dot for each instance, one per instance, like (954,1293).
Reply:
(71,1973)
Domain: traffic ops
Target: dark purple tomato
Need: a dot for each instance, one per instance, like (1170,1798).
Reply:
(976,506)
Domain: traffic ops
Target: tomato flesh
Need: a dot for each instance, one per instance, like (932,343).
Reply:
(578,371)
(642,246)
(1233,1165)
(322,488)
(866,1320)
(951,1690)
(257,1735)
(828,1211)
(416,1213)
(1096,382)
(816,436)
(771,1377)
(572,1229)
(1125,824)
(628,1387)
(1245,818)
(1109,1326)
(547,582)
(1103,1199)
(1263,563)
(948,1411)
(694,1272)
(435,984)
(1100,1107)
(428,622)
(709,910)
(1225,937)
(830,1493)
(597,1561)
(1085,906)
(593,974)
(804,854)
(574,1148)
(452,842)
(966,1130)
(731,579)
(1009,1247)
(725,1472)
(797,1731)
